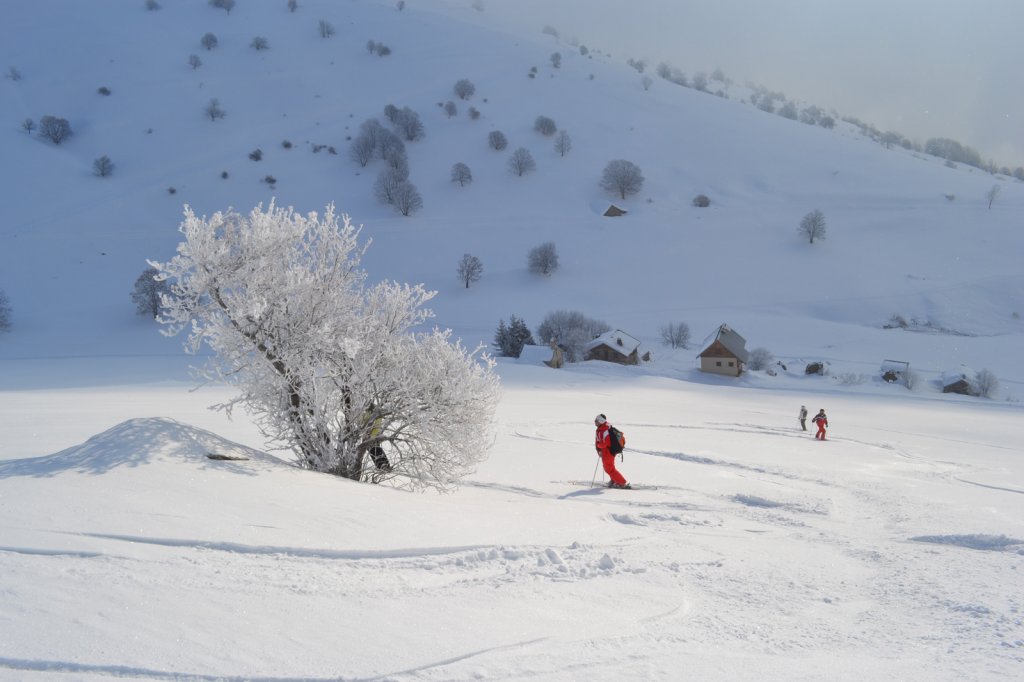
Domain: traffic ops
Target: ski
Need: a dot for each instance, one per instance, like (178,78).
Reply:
(604,486)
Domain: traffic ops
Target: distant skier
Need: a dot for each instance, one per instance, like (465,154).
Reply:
(822,421)
(803,417)
(603,446)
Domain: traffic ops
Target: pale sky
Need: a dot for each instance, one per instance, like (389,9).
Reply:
(923,68)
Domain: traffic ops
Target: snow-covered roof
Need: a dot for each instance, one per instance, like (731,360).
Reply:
(535,355)
(733,342)
(617,340)
(961,373)
(895,366)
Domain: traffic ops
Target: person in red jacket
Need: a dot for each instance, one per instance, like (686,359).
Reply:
(607,458)
(822,421)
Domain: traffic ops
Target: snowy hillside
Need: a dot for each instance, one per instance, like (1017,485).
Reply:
(893,551)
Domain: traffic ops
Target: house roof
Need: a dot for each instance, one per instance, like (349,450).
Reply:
(733,342)
(895,365)
(962,373)
(617,340)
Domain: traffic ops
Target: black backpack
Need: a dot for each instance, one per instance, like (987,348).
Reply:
(616,440)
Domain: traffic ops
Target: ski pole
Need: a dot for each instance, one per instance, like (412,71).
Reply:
(595,473)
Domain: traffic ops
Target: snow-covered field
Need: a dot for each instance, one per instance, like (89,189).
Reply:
(894,550)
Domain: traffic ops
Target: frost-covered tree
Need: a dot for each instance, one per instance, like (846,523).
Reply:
(103,167)
(622,177)
(194,61)
(676,335)
(328,366)
(260,43)
(812,225)
(563,143)
(571,331)
(497,140)
(464,89)
(214,111)
(545,125)
(390,145)
(28,125)
(209,41)
(521,162)
(407,198)
(470,269)
(54,129)
(450,109)
(646,82)
(461,174)
(556,60)
(5,312)
(147,292)
(509,339)
(543,259)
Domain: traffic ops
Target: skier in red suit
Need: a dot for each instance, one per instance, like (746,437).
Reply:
(607,458)
(822,421)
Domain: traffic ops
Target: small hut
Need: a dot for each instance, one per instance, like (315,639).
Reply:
(614,211)
(726,354)
(550,355)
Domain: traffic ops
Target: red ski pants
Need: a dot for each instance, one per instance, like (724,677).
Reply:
(608,459)
(821,431)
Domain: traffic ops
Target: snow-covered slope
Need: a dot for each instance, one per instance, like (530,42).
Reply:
(892,551)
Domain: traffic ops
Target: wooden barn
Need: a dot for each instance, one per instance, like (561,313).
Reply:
(614,211)
(895,371)
(615,346)
(726,354)
(550,355)
(958,381)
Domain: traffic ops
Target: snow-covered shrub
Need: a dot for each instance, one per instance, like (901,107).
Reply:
(986,383)
(324,362)
(759,359)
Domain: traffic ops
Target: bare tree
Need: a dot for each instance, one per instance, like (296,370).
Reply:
(259,43)
(646,82)
(450,108)
(521,162)
(362,149)
(5,312)
(28,125)
(326,29)
(470,269)
(464,89)
(556,60)
(226,5)
(571,330)
(812,225)
(194,61)
(13,74)
(407,198)
(622,177)
(986,383)
(209,41)
(102,167)
(400,5)
(386,187)
(675,335)
(701,201)
(152,5)
(473,113)
(543,259)
(992,194)
(563,143)
(497,140)
(54,129)
(461,174)
(147,292)
(545,125)
(408,123)
(213,110)
(293,5)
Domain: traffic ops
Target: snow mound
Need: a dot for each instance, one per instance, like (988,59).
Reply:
(134,443)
